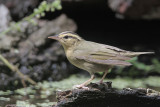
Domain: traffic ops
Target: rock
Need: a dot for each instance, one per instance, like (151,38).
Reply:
(103,95)
(39,38)
(37,56)
(136,9)
(5,17)
(7,42)
(12,38)
(20,8)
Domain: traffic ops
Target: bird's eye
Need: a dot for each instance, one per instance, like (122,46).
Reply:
(66,37)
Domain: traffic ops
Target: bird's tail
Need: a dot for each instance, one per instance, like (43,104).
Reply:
(133,54)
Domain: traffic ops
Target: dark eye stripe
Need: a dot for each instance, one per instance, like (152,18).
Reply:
(67,37)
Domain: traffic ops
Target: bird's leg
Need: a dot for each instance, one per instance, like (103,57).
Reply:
(101,81)
(85,83)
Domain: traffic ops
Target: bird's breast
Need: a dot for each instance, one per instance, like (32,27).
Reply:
(73,60)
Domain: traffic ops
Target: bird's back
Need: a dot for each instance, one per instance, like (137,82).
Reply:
(104,50)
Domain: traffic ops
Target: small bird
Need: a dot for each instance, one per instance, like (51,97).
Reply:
(93,57)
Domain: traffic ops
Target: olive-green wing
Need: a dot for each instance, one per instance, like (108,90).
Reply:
(104,62)
(110,52)
(100,51)
(104,54)
(101,54)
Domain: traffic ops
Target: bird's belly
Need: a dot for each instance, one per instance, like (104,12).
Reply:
(90,67)
(93,68)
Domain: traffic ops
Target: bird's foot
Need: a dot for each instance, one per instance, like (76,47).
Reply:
(100,82)
(80,87)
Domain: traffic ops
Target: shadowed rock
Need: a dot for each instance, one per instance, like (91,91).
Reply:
(103,95)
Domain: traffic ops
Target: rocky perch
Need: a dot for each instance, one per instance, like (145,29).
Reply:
(103,95)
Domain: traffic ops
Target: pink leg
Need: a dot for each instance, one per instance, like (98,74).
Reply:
(85,83)
(101,81)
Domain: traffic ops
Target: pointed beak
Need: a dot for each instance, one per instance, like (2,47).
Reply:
(54,37)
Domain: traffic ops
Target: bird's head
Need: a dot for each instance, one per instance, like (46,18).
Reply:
(67,38)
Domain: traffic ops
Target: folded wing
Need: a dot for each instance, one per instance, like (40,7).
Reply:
(105,54)
(104,62)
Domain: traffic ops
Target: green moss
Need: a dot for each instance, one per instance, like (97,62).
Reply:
(153,81)
(118,82)
(8,92)
(24,104)
(25,91)
(43,94)
(4,99)
(45,104)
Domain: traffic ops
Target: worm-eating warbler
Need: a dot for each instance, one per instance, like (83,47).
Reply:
(93,57)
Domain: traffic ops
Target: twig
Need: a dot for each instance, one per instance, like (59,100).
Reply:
(15,69)
(23,83)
